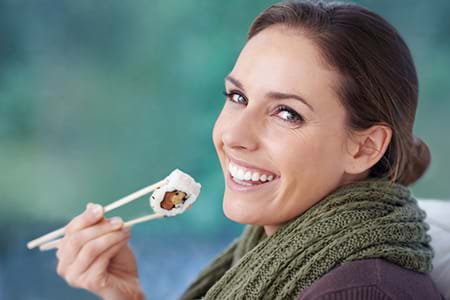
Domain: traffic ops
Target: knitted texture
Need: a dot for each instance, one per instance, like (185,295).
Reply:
(362,220)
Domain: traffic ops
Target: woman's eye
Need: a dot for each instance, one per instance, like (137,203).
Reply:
(288,114)
(235,97)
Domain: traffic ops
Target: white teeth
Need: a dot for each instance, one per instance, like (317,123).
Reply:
(241,174)
(242,182)
(255,176)
(232,169)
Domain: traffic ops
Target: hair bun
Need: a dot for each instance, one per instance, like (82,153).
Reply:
(419,160)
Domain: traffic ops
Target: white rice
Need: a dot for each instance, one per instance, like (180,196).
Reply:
(177,180)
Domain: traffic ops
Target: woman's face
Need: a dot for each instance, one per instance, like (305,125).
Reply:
(280,137)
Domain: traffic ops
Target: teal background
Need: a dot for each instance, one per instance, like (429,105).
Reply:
(101,98)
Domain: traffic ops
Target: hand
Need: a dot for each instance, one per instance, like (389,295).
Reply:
(94,255)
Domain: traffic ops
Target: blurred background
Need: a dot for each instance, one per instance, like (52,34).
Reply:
(101,98)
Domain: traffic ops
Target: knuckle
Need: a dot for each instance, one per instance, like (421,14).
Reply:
(70,228)
(73,241)
(84,259)
(102,228)
(92,249)
(73,225)
(92,283)
(60,270)
(71,280)
(60,253)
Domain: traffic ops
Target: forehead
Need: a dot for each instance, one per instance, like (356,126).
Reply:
(281,59)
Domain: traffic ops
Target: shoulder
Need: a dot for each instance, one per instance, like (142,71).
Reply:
(371,279)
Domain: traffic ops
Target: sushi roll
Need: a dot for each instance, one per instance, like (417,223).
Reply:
(178,194)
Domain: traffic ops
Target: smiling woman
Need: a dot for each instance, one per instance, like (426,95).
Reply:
(316,145)
(303,144)
(316,155)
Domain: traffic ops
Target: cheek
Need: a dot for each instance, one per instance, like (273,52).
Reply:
(217,134)
(309,171)
(293,152)
(217,131)
(309,160)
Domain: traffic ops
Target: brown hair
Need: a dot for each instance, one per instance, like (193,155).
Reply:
(378,82)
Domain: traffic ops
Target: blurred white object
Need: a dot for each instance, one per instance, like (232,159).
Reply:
(177,181)
(438,217)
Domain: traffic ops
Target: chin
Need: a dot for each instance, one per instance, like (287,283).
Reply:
(239,213)
(233,213)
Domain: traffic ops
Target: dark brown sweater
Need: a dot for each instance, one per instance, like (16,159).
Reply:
(372,279)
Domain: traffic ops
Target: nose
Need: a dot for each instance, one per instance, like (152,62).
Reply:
(241,133)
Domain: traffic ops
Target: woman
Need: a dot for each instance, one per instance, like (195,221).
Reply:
(316,145)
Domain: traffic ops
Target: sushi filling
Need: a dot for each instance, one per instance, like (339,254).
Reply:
(173,199)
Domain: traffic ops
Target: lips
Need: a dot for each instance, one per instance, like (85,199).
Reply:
(245,187)
(250,167)
(245,175)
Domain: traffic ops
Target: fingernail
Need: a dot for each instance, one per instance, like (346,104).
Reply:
(97,210)
(115,221)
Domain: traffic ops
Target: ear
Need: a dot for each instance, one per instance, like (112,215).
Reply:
(365,148)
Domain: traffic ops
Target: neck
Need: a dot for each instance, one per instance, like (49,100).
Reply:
(270,229)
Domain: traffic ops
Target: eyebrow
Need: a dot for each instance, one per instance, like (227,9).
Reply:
(272,94)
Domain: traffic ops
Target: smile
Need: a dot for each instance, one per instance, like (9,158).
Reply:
(244,174)
(247,177)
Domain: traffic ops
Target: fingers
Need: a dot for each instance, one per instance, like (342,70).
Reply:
(90,216)
(72,243)
(94,248)
(73,262)
(94,278)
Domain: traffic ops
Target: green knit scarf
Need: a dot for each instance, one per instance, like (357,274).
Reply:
(369,219)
